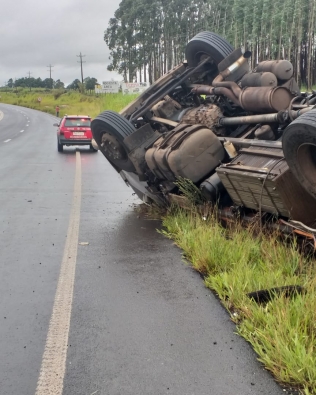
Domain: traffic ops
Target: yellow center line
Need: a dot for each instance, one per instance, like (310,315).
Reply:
(52,372)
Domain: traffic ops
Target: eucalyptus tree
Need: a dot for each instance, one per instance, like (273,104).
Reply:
(146,38)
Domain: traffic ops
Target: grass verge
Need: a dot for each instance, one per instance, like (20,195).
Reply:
(235,262)
(70,102)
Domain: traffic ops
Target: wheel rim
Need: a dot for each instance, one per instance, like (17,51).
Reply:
(112,148)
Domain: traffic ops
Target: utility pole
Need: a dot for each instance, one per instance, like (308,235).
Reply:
(81,56)
(50,75)
(29,73)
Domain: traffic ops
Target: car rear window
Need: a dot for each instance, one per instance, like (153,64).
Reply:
(77,122)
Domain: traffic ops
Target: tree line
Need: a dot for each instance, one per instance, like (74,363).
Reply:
(147,38)
(49,83)
(31,82)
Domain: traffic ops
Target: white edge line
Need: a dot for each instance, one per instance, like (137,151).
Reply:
(53,367)
(6,141)
(21,131)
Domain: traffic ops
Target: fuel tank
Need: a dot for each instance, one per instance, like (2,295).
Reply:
(189,151)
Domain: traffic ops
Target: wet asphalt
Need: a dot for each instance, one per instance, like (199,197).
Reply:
(142,320)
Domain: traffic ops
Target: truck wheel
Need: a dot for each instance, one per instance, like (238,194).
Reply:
(207,44)
(109,130)
(299,147)
(60,147)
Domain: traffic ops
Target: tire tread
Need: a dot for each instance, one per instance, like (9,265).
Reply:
(220,46)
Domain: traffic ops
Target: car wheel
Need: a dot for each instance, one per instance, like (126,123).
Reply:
(299,147)
(60,147)
(109,130)
(206,44)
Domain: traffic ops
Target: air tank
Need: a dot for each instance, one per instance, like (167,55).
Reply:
(259,79)
(282,69)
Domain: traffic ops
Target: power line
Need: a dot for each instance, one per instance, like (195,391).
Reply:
(81,61)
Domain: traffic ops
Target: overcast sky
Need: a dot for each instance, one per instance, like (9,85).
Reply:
(35,34)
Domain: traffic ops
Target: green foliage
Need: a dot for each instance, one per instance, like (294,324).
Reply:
(70,102)
(59,84)
(234,262)
(34,83)
(58,92)
(90,83)
(149,37)
(75,85)
(190,190)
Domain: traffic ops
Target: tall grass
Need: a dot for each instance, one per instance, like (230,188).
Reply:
(235,262)
(69,102)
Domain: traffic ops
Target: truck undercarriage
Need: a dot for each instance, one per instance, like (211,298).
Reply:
(245,138)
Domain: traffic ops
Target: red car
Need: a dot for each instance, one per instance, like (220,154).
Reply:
(74,130)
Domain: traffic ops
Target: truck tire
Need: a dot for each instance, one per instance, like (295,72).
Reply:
(299,147)
(109,130)
(207,44)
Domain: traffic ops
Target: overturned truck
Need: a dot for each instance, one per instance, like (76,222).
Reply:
(246,138)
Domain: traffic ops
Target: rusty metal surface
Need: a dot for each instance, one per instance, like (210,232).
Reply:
(233,67)
(248,119)
(204,115)
(170,75)
(230,85)
(164,89)
(249,111)
(208,90)
(256,99)
(260,179)
(164,121)
(265,99)
(292,86)
(226,92)
(282,69)
(252,142)
(259,79)
(165,108)
(271,153)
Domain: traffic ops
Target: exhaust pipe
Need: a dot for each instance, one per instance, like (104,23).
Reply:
(233,67)
(261,99)
(221,90)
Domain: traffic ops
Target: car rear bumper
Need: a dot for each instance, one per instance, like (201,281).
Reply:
(74,141)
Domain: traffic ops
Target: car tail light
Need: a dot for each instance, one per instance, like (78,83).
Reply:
(62,130)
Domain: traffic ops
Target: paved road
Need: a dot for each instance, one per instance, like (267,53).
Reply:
(128,317)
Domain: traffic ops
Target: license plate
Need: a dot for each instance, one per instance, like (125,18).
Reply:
(78,133)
